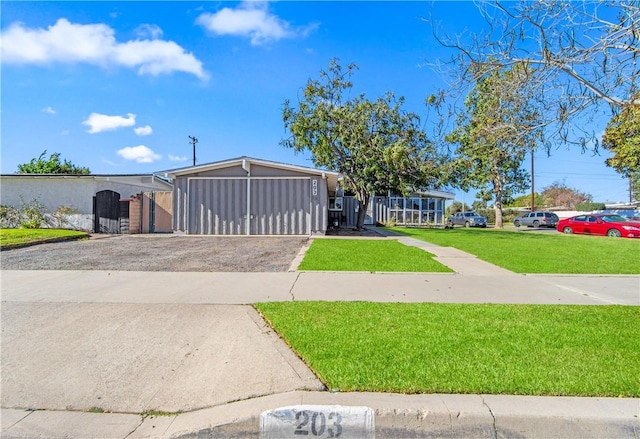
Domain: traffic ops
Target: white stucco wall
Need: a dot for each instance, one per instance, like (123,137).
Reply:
(76,192)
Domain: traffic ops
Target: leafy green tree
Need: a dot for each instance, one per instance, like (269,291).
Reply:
(375,145)
(455,207)
(479,205)
(493,137)
(525,200)
(634,183)
(622,138)
(558,194)
(51,165)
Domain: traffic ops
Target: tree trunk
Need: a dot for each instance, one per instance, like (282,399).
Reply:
(363,205)
(498,211)
(497,207)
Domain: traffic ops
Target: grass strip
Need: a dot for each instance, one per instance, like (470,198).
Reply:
(532,252)
(465,348)
(368,255)
(14,238)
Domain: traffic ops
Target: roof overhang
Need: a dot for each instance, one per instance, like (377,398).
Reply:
(119,178)
(245,162)
(437,194)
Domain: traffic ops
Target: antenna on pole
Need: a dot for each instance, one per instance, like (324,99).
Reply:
(194,140)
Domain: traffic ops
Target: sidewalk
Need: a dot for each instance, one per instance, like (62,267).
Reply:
(134,342)
(247,288)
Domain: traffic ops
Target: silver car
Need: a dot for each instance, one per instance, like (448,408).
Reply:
(467,219)
(537,219)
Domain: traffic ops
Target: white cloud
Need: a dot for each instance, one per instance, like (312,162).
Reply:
(140,154)
(95,44)
(252,20)
(101,122)
(152,31)
(175,158)
(49,110)
(143,131)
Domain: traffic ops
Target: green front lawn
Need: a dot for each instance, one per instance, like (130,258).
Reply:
(464,348)
(12,238)
(368,255)
(530,252)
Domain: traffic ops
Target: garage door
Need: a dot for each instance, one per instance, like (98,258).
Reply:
(281,206)
(217,206)
(278,206)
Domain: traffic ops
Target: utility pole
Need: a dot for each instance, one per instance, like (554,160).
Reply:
(194,140)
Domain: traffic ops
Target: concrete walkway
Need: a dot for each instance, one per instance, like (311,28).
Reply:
(134,342)
(247,288)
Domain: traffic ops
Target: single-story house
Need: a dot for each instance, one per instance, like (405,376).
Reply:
(249,196)
(78,193)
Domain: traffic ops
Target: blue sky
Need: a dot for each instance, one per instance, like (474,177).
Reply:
(119,86)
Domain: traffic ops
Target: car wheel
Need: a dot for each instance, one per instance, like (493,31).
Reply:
(450,224)
(536,224)
(614,233)
(567,230)
(466,223)
(516,223)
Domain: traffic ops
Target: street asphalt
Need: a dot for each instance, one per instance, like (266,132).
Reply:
(97,354)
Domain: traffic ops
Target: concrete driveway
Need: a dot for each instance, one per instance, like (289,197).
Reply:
(132,358)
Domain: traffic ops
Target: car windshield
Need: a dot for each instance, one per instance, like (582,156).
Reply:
(614,218)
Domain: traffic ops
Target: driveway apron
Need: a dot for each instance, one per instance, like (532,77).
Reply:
(132,358)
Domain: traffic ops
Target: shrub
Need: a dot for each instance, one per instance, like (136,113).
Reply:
(588,206)
(61,216)
(30,215)
(33,214)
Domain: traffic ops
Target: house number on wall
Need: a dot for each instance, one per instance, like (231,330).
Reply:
(314,187)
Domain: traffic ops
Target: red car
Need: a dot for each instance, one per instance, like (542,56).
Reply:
(600,224)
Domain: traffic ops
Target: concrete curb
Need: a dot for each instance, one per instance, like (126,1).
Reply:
(489,416)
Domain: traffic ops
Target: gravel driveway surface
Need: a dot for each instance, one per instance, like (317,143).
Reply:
(159,253)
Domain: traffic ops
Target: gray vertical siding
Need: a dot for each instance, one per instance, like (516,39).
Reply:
(217,206)
(278,205)
(350,214)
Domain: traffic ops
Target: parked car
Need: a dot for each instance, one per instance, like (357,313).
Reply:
(467,219)
(537,219)
(600,224)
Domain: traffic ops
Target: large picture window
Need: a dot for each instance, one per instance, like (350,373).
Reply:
(417,211)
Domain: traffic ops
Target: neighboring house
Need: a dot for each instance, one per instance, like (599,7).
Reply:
(248,196)
(77,192)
